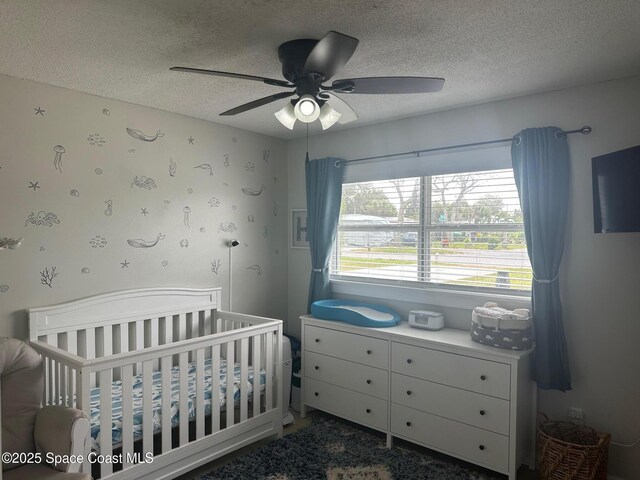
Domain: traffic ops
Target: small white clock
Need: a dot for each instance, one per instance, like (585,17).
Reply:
(426,319)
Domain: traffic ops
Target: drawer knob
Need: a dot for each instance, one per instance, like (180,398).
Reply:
(482,412)
(409,392)
(368,352)
(316,394)
(317,367)
(483,377)
(368,410)
(368,382)
(481,447)
(409,360)
(317,340)
(408,424)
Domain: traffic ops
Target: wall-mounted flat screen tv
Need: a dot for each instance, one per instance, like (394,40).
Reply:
(616,191)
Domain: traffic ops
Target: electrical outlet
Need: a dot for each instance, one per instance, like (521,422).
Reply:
(575,413)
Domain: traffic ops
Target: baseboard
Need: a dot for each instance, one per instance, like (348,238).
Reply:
(611,477)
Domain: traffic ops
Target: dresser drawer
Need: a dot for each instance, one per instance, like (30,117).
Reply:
(361,378)
(470,443)
(348,346)
(482,376)
(346,403)
(453,403)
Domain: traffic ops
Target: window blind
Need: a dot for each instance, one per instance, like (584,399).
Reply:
(460,230)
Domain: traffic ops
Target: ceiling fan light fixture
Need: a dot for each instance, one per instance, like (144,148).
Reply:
(286,116)
(307,109)
(328,116)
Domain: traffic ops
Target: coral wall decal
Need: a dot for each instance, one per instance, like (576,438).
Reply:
(215,266)
(47,276)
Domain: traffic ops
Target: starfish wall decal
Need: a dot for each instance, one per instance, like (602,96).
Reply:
(124,264)
(190,140)
(33,185)
(39,111)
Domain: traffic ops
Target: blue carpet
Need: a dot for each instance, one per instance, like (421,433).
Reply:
(333,449)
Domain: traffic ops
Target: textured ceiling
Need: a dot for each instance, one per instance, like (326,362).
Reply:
(485,49)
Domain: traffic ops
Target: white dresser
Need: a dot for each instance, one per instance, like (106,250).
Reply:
(434,388)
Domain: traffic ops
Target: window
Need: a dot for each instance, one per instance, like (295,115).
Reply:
(460,231)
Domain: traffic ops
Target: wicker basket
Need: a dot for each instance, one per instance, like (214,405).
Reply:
(571,452)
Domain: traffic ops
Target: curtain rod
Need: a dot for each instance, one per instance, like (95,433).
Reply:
(586,130)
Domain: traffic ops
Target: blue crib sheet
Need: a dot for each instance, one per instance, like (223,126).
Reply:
(116,395)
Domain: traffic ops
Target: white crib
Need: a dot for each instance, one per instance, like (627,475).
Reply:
(160,335)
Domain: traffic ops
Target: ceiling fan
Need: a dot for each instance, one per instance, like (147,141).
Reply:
(306,66)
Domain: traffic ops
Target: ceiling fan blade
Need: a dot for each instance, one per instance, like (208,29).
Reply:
(388,85)
(330,53)
(268,81)
(257,103)
(347,113)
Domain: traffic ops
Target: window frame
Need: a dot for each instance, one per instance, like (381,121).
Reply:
(414,290)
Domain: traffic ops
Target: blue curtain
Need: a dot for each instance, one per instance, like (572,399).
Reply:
(324,193)
(540,158)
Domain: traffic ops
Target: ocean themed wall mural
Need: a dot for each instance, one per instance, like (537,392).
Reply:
(118,213)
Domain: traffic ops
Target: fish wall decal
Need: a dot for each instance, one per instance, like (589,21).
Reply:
(137,134)
(140,243)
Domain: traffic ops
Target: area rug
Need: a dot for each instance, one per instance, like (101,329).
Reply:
(333,449)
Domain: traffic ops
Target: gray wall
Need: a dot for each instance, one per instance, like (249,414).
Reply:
(89,238)
(600,273)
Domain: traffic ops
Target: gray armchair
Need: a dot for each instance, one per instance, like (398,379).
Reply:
(32,430)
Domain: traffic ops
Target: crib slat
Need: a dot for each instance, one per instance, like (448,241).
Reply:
(90,350)
(52,339)
(107,341)
(57,392)
(230,365)
(50,382)
(127,414)
(72,342)
(138,344)
(64,372)
(184,398)
(199,393)
(256,374)
(84,404)
(166,403)
(105,377)
(215,388)
(153,337)
(90,343)
(147,406)
(124,337)
(244,393)
(268,386)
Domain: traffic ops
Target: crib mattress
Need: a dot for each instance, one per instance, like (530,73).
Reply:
(116,395)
